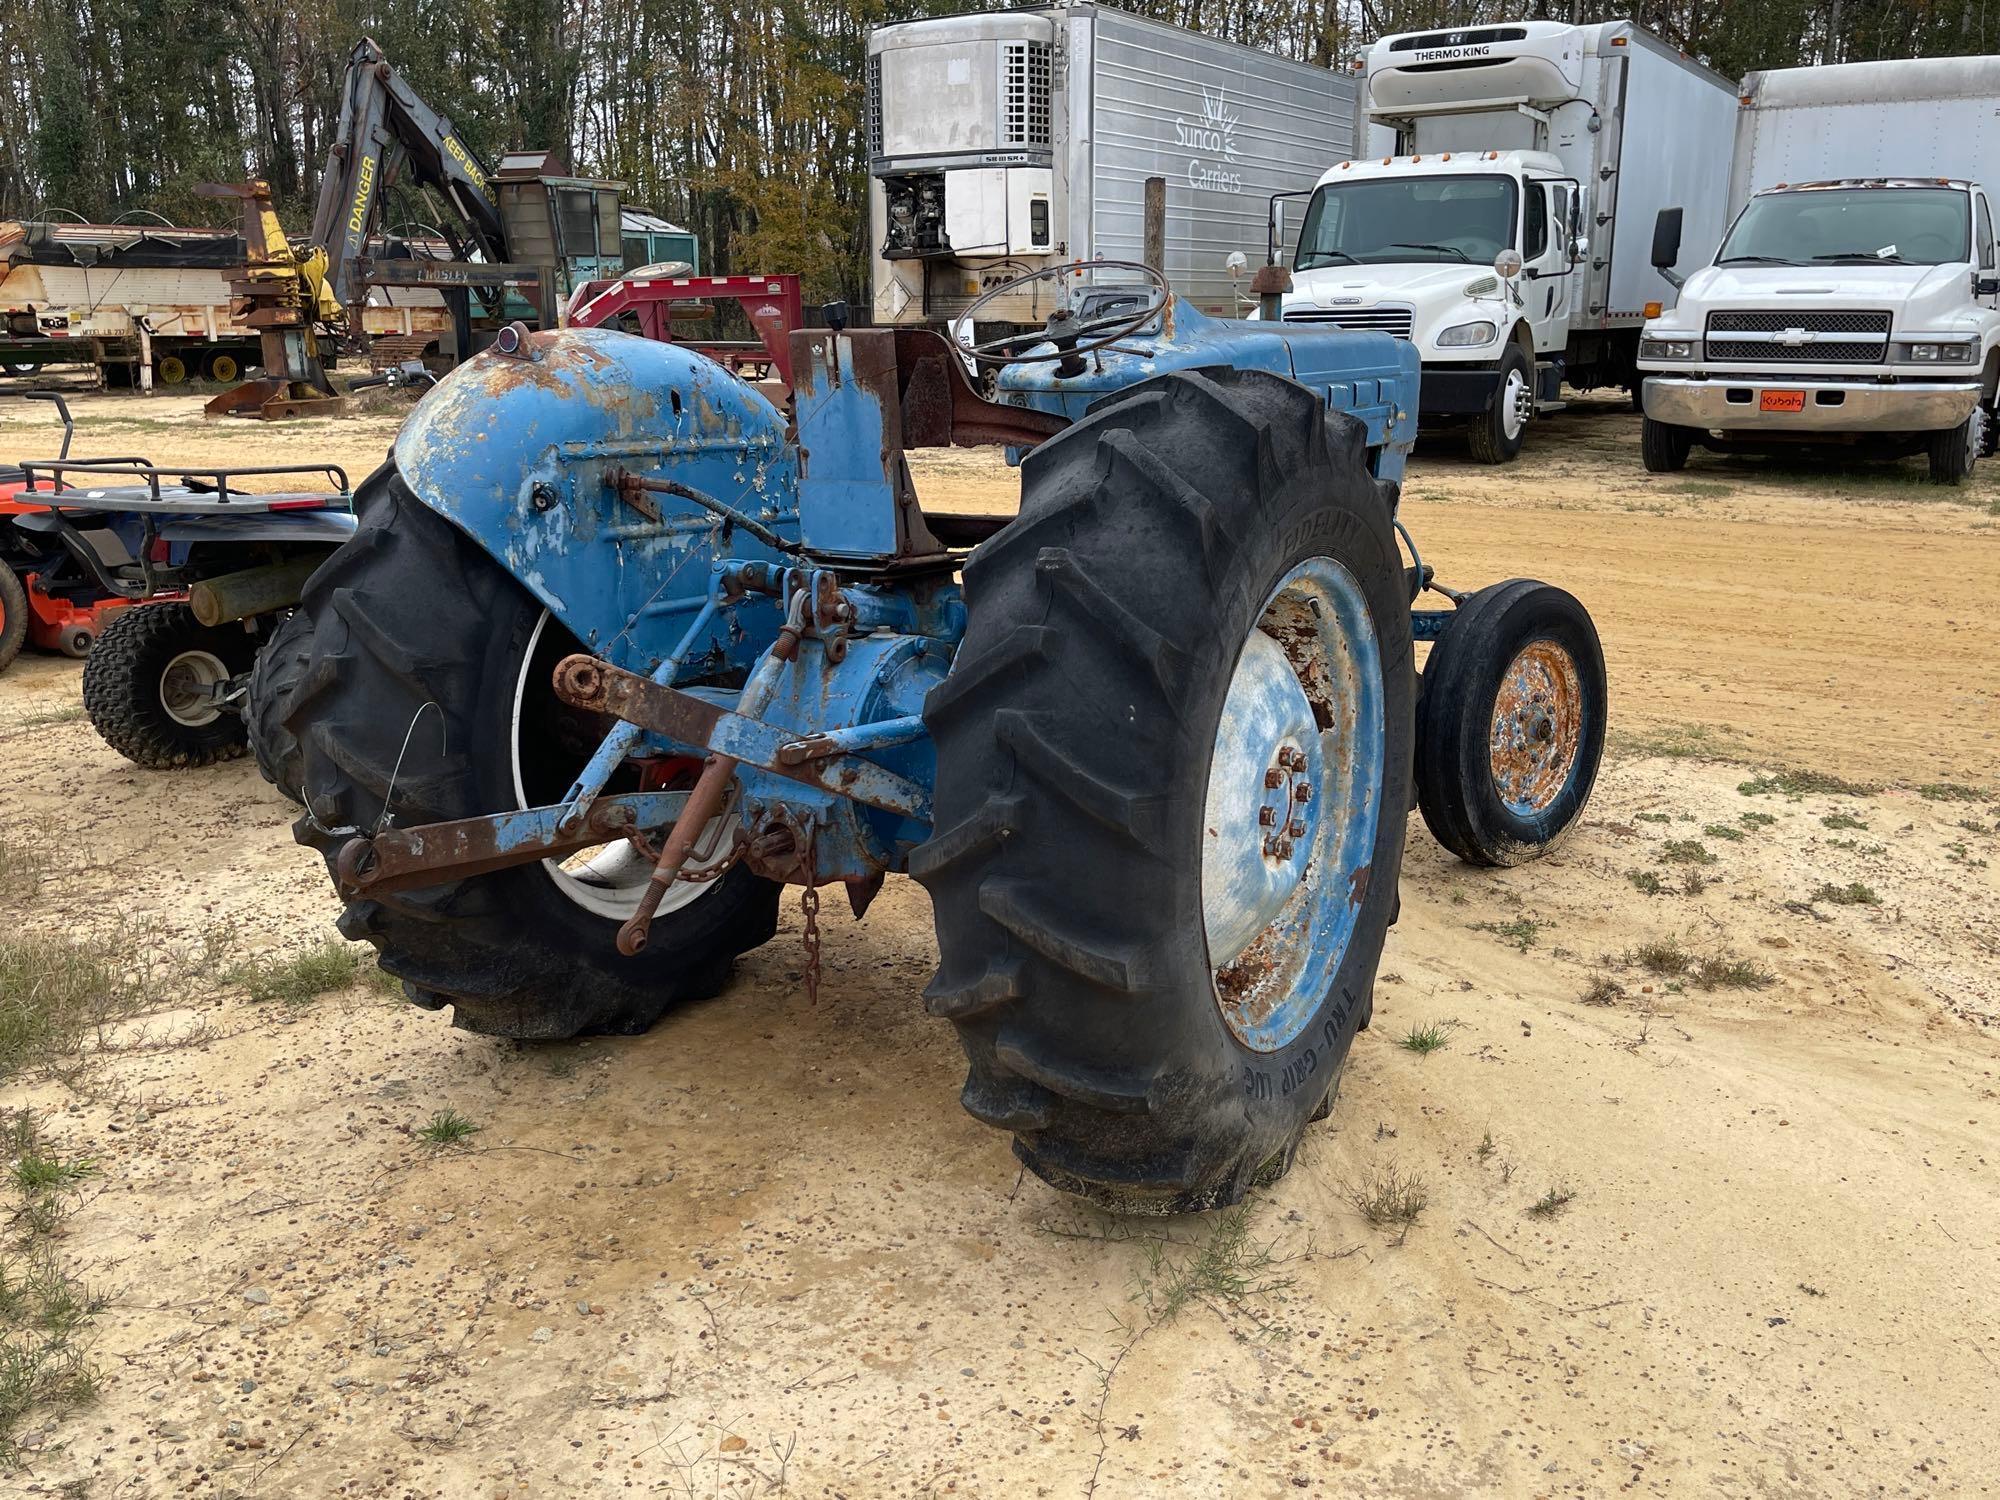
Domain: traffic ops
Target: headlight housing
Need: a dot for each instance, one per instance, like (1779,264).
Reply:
(1936,351)
(1670,348)
(1465,335)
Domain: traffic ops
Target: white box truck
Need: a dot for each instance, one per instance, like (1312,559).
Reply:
(1012,141)
(1506,231)
(1854,298)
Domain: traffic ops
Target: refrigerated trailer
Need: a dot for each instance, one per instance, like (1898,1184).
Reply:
(1506,229)
(1008,142)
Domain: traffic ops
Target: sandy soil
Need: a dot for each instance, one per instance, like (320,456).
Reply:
(761,1250)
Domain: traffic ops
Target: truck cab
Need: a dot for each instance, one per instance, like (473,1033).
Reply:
(1466,254)
(1857,311)
(1484,224)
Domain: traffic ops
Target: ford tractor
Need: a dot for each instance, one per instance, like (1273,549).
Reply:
(622,647)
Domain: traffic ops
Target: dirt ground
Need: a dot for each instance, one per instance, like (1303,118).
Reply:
(761,1250)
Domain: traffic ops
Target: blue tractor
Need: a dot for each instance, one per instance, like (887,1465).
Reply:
(622,647)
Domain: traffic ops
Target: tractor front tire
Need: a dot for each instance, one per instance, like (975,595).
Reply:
(1510,729)
(282,662)
(425,655)
(147,682)
(13,615)
(1080,873)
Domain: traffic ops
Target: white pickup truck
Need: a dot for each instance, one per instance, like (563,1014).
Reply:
(1856,310)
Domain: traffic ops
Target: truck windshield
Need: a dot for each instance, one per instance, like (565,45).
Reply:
(1874,225)
(1401,219)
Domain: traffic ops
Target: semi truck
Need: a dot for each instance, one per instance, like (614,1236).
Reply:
(1503,225)
(1856,298)
(1008,142)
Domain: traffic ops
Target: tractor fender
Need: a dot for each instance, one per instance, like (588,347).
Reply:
(515,449)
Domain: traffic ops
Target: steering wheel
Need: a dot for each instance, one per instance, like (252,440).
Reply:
(1072,338)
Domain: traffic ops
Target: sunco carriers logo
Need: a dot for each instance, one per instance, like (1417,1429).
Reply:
(1214,137)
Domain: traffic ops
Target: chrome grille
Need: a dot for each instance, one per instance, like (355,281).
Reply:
(1390,320)
(1830,337)
(1027,94)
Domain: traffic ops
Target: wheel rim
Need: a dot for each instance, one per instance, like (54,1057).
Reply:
(1515,405)
(222,368)
(186,688)
(1292,805)
(172,371)
(607,880)
(1537,730)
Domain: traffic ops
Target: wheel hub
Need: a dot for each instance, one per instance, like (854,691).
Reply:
(1291,808)
(1537,727)
(187,688)
(1519,404)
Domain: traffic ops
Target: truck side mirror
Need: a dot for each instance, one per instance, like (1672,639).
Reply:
(1667,243)
(1985,286)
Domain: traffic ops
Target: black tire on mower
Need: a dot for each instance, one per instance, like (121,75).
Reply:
(13,615)
(281,663)
(1456,785)
(1074,739)
(125,686)
(1664,447)
(409,613)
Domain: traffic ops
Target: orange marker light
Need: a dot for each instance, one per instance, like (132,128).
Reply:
(1654,309)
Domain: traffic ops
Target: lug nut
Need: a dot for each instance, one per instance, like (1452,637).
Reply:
(1273,780)
(1290,759)
(1267,816)
(1298,828)
(1271,845)
(1303,791)
(1284,848)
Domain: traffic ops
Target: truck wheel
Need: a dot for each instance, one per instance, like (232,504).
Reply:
(13,616)
(170,369)
(1954,451)
(1173,780)
(1664,447)
(1510,729)
(273,680)
(427,693)
(147,686)
(1497,433)
(224,368)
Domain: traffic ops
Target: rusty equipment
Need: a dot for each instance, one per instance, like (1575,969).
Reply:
(282,294)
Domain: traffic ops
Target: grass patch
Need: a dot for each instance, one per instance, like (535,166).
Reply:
(1522,932)
(1423,1040)
(45,1310)
(1797,783)
(1226,1267)
(1958,854)
(1724,973)
(447,1128)
(1855,846)
(53,992)
(1841,820)
(1646,883)
(1685,852)
(1663,957)
(1755,819)
(1854,893)
(1951,791)
(69,713)
(22,869)
(1553,1202)
(1389,1197)
(1680,742)
(1699,489)
(1693,882)
(1728,833)
(298,978)
(1656,817)
(1486,1147)
(1602,990)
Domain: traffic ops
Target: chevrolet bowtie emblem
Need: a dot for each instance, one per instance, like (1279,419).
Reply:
(1793,338)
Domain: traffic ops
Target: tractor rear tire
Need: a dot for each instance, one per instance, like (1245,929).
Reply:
(1075,735)
(420,644)
(280,665)
(13,615)
(1514,688)
(143,685)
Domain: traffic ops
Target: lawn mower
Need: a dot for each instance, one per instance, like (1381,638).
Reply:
(620,649)
(169,582)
